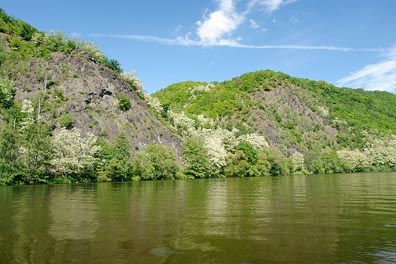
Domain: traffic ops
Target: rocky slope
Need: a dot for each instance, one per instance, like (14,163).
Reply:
(77,85)
(316,121)
(73,84)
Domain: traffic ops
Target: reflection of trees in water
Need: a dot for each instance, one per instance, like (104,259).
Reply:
(303,215)
(73,214)
(216,208)
(299,219)
(28,238)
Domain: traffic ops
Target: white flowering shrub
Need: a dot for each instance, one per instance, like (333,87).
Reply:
(74,154)
(92,50)
(133,81)
(214,145)
(205,121)
(298,161)
(257,141)
(217,142)
(182,122)
(154,103)
(28,111)
(323,110)
(202,88)
(7,93)
(382,152)
(354,159)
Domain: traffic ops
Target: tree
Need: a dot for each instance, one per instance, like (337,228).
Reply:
(237,165)
(279,163)
(75,155)
(198,164)
(8,154)
(249,151)
(117,164)
(156,162)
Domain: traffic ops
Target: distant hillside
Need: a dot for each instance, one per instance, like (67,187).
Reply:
(293,115)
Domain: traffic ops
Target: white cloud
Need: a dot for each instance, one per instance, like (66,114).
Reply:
(187,41)
(270,6)
(379,76)
(219,23)
(253,24)
(216,29)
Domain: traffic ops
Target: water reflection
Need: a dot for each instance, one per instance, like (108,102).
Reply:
(300,219)
(73,213)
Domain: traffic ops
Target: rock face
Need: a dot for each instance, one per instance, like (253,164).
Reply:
(76,85)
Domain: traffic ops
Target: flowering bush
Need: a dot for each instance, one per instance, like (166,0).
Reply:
(355,160)
(74,154)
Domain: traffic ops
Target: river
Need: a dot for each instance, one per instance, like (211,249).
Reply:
(346,218)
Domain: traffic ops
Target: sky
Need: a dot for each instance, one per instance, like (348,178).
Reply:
(349,43)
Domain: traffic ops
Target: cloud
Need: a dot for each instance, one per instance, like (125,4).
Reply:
(253,24)
(219,23)
(187,41)
(270,6)
(379,76)
(216,30)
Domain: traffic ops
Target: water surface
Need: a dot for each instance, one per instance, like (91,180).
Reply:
(293,219)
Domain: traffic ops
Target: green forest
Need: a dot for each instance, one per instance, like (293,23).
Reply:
(263,123)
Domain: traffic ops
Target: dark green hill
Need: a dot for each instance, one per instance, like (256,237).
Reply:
(293,114)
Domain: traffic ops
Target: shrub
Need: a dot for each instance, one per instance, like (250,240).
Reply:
(66,120)
(156,162)
(7,93)
(124,103)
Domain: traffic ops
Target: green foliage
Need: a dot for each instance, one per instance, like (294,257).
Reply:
(124,103)
(27,42)
(279,164)
(237,165)
(113,64)
(7,93)
(66,120)
(117,160)
(319,162)
(198,165)
(9,140)
(156,162)
(249,151)
(164,111)
(371,110)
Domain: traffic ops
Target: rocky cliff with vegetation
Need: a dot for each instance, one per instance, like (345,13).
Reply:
(70,114)
(57,93)
(314,127)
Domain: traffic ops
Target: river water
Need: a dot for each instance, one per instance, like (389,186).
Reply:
(346,218)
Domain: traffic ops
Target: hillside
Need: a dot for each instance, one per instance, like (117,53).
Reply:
(316,121)
(70,114)
(52,85)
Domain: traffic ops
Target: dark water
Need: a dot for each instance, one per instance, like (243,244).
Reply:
(297,219)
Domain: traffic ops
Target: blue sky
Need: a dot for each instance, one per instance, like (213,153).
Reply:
(345,42)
